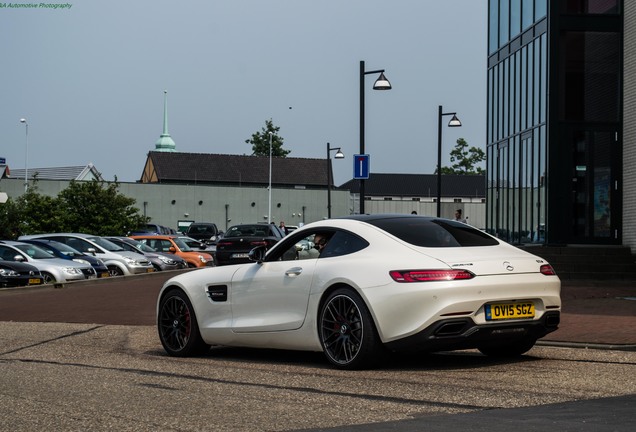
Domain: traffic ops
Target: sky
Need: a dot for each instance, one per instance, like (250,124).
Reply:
(90,79)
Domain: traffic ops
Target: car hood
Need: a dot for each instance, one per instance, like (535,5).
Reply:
(134,255)
(55,262)
(487,260)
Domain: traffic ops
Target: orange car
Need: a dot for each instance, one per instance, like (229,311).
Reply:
(175,245)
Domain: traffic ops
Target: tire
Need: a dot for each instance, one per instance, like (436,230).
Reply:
(346,331)
(178,327)
(48,278)
(113,271)
(508,348)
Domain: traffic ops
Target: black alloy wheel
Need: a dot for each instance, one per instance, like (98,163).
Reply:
(346,331)
(178,327)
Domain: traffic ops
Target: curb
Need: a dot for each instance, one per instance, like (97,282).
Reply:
(585,345)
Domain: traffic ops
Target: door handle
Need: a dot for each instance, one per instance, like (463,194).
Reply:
(294,271)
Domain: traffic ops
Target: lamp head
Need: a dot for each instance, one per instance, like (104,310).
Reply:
(339,154)
(23,120)
(454,122)
(382,83)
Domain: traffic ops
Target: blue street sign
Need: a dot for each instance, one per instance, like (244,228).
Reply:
(361,166)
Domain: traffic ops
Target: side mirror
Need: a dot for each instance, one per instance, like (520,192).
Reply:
(257,254)
(91,251)
(172,249)
(19,258)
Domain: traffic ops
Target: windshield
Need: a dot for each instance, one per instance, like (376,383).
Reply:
(143,247)
(248,231)
(63,248)
(182,245)
(34,251)
(106,244)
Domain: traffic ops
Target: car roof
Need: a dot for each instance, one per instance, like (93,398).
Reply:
(381,216)
(15,243)
(38,236)
(157,236)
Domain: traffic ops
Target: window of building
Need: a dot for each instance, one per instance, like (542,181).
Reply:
(504,23)
(589,7)
(591,76)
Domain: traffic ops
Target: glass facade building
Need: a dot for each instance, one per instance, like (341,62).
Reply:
(554,121)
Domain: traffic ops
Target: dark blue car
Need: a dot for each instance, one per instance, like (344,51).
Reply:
(60,250)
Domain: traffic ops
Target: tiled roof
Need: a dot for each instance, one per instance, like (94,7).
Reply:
(420,185)
(83,172)
(175,167)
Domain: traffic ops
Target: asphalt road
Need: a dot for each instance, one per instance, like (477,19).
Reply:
(78,368)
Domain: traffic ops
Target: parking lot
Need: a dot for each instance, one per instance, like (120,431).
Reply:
(97,364)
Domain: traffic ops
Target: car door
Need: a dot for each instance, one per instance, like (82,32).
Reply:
(271,296)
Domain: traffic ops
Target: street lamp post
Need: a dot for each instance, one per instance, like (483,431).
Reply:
(269,212)
(26,154)
(454,122)
(380,84)
(338,155)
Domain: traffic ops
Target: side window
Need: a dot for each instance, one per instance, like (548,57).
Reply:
(302,246)
(343,243)
(7,254)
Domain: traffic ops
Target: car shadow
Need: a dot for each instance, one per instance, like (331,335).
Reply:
(395,361)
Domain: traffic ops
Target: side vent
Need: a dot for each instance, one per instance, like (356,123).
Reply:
(217,293)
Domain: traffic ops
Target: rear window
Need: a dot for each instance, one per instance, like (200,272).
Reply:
(434,232)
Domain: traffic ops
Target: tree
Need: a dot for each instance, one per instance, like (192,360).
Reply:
(97,208)
(30,213)
(260,141)
(465,159)
(9,220)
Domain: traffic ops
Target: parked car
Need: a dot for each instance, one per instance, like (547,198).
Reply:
(53,269)
(152,229)
(206,232)
(240,239)
(60,250)
(199,245)
(118,261)
(380,283)
(175,245)
(161,261)
(17,274)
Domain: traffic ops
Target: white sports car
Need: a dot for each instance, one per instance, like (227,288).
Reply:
(379,282)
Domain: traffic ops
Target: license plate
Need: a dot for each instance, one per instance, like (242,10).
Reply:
(504,311)
(239,255)
(35,281)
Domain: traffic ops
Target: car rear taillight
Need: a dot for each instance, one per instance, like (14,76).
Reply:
(258,243)
(223,244)
(430,275)
(547,270)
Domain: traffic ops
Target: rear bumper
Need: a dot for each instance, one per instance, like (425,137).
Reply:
(464,333)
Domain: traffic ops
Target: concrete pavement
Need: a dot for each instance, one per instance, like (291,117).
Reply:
(595,314)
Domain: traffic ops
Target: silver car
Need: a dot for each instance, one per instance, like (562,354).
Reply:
(53,269)
(118,261)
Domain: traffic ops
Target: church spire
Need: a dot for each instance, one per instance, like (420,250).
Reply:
(165,142)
